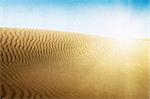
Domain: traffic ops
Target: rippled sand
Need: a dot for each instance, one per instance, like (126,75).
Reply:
(42,64)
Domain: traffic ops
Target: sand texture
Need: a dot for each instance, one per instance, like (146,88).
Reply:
(43,64)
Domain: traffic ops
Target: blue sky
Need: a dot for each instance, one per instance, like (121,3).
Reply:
(133,3)
(98,17)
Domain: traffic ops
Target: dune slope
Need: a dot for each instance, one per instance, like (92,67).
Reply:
(42,64)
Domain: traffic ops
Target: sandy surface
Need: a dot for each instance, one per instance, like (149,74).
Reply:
(41,64)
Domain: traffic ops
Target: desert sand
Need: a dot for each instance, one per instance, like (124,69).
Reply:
(43,64)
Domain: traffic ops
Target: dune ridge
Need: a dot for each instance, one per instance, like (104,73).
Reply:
(43,64)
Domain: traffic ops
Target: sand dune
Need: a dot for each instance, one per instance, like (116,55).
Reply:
(42,64)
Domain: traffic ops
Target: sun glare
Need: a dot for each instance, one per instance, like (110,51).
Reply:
(126,37)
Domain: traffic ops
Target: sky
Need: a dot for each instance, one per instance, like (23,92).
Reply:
(109,18)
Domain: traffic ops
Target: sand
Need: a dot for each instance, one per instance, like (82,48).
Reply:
(43,64)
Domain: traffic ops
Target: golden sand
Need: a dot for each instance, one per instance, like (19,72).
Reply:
(42,64)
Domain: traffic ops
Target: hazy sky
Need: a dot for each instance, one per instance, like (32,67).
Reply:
(99,17)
